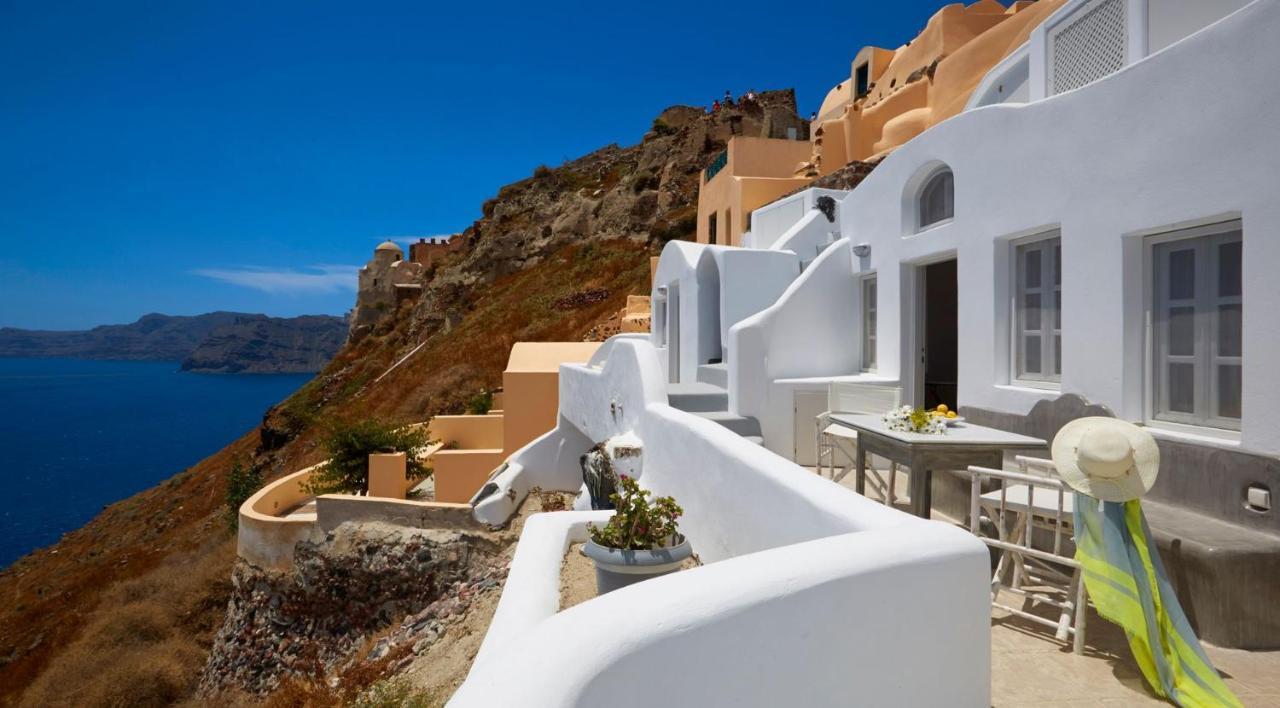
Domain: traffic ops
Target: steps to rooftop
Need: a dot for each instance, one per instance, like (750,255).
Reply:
(714,374)
(697,397)
(742,425)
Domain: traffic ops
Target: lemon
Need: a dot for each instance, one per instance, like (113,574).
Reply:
(951,414)
(942,408)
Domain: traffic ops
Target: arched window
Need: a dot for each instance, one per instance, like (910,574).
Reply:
(937,199)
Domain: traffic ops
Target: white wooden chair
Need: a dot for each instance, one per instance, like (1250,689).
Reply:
(1039,566)
(838,444)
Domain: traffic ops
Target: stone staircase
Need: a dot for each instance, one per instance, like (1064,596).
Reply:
(708,398)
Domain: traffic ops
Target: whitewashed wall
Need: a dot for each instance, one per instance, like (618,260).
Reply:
(1187,136)
(796,606)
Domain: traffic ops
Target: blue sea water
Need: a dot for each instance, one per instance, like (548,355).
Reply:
(78,435)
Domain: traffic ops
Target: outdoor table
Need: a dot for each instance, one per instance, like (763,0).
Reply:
(962,445)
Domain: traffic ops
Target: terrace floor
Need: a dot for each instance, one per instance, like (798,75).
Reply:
(1030,668)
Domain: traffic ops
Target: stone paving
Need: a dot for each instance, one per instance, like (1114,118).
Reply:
(1030,668)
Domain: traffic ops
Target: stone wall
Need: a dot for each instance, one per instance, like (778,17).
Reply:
(359,580)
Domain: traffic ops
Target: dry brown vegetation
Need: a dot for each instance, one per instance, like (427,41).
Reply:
(120,612)
(146,641)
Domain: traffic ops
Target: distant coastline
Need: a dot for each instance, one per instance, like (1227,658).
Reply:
(216,342)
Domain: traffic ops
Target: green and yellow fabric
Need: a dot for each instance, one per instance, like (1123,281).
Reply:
(1128,585)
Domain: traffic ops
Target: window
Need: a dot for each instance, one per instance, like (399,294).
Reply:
(861,80)
(711,229)
(869,309)
(728,227)
(937,199)
(1038,311)
(1197,312)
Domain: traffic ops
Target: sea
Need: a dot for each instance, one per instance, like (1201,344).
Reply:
(77,435)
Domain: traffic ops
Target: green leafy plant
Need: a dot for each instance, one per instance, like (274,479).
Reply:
(638,524)
(242,483)
(349,444)
(480,404)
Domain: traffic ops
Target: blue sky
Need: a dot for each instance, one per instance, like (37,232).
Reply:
(183,157)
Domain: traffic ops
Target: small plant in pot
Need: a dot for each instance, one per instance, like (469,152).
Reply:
(640,541)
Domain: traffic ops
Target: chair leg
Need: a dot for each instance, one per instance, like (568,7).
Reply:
(1068,608)
(893,477)
(1082,613)
(1020,529)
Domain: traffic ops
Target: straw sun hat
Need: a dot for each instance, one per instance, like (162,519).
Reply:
(1107,459)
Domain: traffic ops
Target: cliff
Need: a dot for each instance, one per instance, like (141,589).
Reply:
(214,342)
(257,344)
(122,611)
(153,337)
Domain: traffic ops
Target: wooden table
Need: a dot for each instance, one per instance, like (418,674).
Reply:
(963,444)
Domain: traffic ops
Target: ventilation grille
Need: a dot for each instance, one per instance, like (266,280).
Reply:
(1090,46)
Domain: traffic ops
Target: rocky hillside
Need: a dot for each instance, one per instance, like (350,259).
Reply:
(227,342)
(257,344)
(121,612)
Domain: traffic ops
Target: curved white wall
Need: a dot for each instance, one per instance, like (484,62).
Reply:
(790,608)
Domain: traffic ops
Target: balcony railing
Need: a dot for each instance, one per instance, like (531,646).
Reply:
(717,164)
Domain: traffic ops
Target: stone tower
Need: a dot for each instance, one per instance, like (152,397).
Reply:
(385,281)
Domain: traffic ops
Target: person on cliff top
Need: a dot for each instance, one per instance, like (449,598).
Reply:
(728,99)
(715,106)
(751,96)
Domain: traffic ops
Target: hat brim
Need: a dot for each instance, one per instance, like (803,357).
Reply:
(1146,460)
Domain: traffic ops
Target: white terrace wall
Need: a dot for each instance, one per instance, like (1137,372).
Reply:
(811,331)
(790,608)
(715,287)
(1186,137)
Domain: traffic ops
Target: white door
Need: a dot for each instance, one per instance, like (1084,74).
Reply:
(808,406)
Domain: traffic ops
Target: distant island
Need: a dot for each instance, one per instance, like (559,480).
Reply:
(217,342)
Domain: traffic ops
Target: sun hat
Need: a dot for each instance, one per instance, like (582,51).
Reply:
(1106,458)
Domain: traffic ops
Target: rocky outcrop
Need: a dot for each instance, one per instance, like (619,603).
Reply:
(645,193)
(257,344)
(362,580)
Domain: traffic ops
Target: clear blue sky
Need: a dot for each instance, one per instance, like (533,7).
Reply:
(183,157)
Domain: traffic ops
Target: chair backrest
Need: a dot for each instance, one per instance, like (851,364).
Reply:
(850,397)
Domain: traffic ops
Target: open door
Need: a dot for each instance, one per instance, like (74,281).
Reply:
(937,335)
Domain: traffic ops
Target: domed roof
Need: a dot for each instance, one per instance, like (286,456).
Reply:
(388,246)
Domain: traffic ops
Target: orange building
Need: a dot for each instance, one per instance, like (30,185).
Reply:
(889,97)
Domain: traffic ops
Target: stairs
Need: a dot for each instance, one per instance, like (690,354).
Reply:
(707,398)
(714,374)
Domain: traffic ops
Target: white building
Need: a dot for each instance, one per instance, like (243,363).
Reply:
(1092,226)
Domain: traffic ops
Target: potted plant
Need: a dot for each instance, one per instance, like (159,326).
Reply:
(640,541)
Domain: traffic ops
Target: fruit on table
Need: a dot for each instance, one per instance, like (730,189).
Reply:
(942,408)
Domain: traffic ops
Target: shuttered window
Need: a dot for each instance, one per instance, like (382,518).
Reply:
(1197,316)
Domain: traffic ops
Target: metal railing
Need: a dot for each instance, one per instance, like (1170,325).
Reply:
(717,164)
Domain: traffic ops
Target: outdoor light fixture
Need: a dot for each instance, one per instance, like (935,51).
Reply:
(862,250)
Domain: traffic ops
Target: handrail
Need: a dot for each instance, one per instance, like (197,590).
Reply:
(717,164)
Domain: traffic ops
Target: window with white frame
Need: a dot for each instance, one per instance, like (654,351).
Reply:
(937,199)
(1197,309)
(869,312)
(1038,310)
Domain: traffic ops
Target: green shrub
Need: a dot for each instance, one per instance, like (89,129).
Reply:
(396,693)
(638,524)
(480,404)
(541,171)
(349,444)
(242,483)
